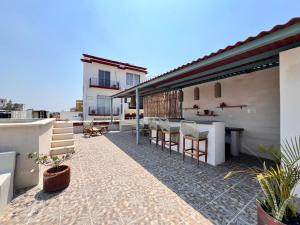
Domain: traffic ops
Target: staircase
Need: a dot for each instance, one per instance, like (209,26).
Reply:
(62,138)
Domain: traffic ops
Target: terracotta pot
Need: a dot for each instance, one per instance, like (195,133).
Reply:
(56,179)
(264,218)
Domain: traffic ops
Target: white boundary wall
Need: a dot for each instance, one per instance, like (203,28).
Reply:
(24,137)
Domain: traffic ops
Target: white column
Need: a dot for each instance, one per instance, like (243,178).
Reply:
(289,95)
(137,107)
(111,110)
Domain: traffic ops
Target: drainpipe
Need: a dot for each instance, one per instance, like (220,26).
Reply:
(137,107)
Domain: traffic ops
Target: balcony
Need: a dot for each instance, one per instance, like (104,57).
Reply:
(103,111)
(101,83)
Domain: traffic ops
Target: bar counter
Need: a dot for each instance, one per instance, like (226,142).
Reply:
(216,141)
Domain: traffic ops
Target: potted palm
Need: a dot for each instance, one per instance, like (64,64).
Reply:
(278,183)
(57,177)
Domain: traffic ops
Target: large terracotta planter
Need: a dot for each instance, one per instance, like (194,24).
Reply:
(264,218)
(56,179)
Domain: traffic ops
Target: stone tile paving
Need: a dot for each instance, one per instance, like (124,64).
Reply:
(115,181)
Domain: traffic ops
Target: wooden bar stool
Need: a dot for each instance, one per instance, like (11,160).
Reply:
(153,125)
(174,135)
(190,132)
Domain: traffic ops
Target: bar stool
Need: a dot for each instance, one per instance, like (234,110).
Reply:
(153,125)
(190,132)
(173,133)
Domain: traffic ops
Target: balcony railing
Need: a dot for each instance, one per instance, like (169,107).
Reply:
(103,111)
(102,83)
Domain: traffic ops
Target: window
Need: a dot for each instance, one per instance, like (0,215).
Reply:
(103,104)
(218,90)
(132,79)
(104,78)
(196,93)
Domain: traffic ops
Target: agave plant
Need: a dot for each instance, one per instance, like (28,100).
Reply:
(278,182)
(46,160)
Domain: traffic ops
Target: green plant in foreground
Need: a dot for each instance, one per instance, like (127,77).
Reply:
(278,182)
(46,160)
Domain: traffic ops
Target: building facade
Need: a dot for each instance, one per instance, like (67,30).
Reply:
(103,78)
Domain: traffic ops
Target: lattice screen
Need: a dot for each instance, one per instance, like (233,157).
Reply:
(162,105)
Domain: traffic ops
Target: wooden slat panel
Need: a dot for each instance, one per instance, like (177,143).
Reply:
(162,105)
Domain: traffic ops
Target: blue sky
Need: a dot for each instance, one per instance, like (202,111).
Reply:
(41,42)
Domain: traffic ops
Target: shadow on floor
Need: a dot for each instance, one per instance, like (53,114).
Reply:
(202,187)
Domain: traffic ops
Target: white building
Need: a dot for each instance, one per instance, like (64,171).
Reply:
(72,116)
(3,102)
(103,78)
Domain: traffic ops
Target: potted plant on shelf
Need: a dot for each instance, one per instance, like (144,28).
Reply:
(57,177)
(278,183)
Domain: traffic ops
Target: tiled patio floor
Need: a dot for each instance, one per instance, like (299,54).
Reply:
(115,181)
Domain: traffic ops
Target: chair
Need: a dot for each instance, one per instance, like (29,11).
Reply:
(87,130)
(90,130)
(173,133)
(103,129)
(190,131)
(143,129)
(153,125)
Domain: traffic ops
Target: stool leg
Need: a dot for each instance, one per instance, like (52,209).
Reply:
(192,150)
(178,142)
(197,152)
(156,139)
(162,140)
(170,145)
(183,149)
(150,137)
(206,150)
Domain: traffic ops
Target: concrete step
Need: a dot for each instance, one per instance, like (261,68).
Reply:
(62,130)
(62,143)
(63,136)
(60,124)
(62,150)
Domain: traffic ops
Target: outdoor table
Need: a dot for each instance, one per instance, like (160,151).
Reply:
(235,143)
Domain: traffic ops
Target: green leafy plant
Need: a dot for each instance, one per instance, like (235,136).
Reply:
(278,182)
(46,160)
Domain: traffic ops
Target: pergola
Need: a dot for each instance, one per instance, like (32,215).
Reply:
(254,53)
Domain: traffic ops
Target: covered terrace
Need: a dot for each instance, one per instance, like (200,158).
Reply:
(258,76)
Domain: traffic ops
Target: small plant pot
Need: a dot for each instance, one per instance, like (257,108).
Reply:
(56,179)
(264,218)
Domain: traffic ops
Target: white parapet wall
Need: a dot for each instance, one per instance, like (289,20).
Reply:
(7,170)
(289,95)
(24,137)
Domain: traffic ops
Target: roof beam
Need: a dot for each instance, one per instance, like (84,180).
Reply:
(216,75)
(268,39)
(223,75)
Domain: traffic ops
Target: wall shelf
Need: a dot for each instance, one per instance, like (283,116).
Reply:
(232,106)
(206,115)
(191,108)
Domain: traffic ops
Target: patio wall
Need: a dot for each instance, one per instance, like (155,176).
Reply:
(289,95)
(261,119)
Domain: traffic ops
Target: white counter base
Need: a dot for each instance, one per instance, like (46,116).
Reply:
(216,142)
